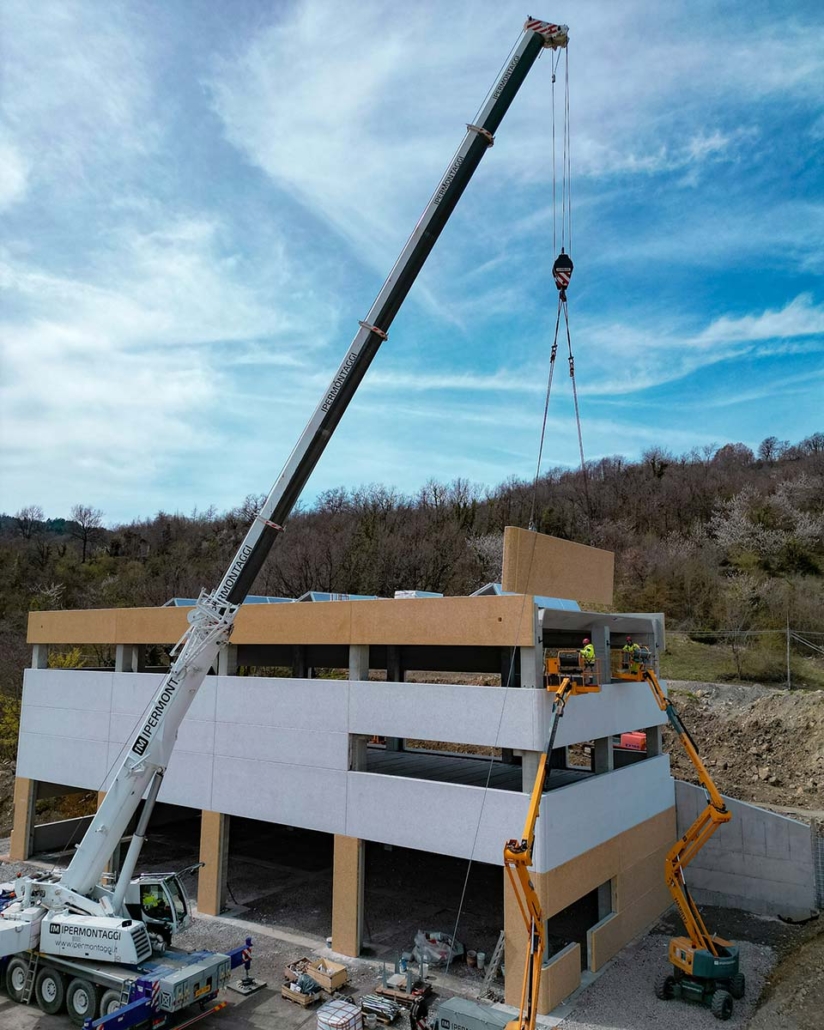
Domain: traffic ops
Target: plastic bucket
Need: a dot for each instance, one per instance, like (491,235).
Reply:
(371,1020)
(481,959)
(471,959)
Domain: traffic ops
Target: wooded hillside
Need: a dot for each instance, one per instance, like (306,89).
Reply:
(716,539)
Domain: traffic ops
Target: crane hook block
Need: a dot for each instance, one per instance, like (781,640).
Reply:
(562,272)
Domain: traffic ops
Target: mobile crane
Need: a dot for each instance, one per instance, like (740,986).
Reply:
(66,938)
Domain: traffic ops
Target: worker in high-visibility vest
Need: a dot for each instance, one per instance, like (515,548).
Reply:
(587,654)
(631,656)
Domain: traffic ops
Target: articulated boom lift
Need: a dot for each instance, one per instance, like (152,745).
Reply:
(705,967)
(518,859)
(73,924)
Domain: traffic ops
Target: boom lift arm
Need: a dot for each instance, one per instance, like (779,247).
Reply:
(684,851)
(212,619)
(705,966)
(518,859)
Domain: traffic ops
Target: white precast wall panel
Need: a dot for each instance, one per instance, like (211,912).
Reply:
(278,750)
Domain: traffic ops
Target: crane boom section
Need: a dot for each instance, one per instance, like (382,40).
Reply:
(687,847)
(213,617)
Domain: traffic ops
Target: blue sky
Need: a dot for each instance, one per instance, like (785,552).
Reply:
(199,200)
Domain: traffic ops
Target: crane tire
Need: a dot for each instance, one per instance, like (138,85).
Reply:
(81,1001)
(50,990)
(110,1002)
(16,972)
(721,1005)
(738,985)
(665,987)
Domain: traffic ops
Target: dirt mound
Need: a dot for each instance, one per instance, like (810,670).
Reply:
(760,744)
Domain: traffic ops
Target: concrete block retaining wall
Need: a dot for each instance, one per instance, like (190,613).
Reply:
(760,861)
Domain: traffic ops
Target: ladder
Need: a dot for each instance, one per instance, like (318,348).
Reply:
(492,968)
(125,992)
(31,972)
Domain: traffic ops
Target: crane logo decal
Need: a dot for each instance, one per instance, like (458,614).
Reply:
(507,75)
(155,715)
(447,179)
(339,379)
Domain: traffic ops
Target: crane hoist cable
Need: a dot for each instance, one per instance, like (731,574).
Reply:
(562,273)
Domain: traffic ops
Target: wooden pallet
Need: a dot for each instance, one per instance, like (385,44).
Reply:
(304,1000)
(404,997)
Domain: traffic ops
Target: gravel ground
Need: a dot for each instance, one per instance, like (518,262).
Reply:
(623,998)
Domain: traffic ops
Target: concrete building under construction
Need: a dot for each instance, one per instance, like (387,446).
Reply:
(331,754)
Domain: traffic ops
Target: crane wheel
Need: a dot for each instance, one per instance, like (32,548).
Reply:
(665,987)
(81,1001)
(16,972)
(50,990)
(110,1002)
(721,1004)
(738,984)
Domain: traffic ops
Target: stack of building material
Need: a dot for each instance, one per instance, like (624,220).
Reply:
(340,1015)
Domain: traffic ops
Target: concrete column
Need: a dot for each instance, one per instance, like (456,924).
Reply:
(394,674)
(603,760)
(227,661)
(654,744)
(24,797)
(358,661)
(299,670)
(529,769)
(348,877)
(357,752)
(40,656)
(129,658)
(532,672)
(605,900)
(601,642)
(214,852)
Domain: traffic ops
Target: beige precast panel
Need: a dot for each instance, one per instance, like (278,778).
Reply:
(539,564)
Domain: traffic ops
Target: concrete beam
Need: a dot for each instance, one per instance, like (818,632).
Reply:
(214,852)
(348,878)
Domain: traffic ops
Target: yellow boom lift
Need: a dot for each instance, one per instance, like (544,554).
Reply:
(518,853)
(704,966)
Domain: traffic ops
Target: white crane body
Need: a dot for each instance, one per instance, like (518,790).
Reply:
(75,917)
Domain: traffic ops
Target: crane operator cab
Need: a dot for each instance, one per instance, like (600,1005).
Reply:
(160,902)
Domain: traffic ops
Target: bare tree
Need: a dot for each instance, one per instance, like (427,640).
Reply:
(28,520)
(88,522)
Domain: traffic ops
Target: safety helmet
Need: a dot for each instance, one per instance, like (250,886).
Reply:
(586,640)
(629,639)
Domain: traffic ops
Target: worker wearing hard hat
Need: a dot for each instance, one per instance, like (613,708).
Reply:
(631,656)
(587,654)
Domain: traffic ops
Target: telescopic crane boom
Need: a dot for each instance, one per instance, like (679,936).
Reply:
(86,908)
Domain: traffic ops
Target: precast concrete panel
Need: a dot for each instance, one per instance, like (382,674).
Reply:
(188,780)
(295,795)
(65,722)
(77,763)
(286,746)
(580,816)
(443,818)
(512,718)
(312,705)
(60,688)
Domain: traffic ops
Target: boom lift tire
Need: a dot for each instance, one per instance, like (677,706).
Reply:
(738,985)
(50,990)
(110,1002)
(81,1001)
(665,987)
(16,972)
(721,1005)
